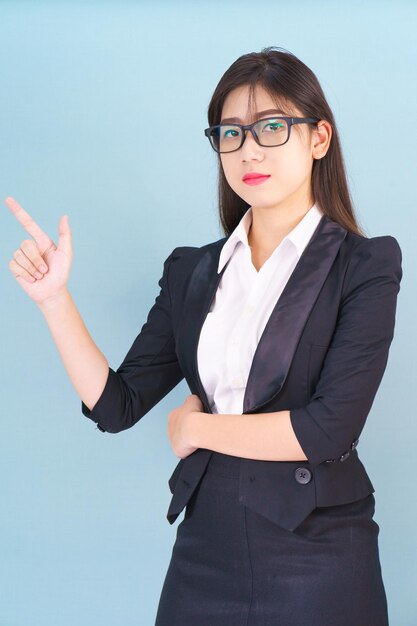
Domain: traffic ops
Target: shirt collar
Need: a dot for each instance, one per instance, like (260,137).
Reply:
(299,235)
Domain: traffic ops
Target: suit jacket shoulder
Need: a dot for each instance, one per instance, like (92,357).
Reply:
(372,257)
(199,251)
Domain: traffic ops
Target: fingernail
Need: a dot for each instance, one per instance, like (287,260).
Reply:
(43,268)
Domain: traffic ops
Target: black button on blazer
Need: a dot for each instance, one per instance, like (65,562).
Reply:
(322,356)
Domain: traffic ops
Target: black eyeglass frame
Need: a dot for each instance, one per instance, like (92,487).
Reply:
(290,121)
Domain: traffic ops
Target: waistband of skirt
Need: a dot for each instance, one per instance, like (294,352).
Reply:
(224,465)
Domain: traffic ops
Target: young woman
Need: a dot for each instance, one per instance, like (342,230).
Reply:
(282,330)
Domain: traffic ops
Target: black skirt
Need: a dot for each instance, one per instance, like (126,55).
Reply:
(230,566)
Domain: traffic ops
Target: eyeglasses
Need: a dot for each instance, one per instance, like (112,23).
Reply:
(267,132)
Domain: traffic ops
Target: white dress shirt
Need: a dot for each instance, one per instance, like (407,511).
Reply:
(242,305)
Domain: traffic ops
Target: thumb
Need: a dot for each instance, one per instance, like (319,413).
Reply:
(64,242)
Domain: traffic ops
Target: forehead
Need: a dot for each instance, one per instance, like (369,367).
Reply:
(242,104)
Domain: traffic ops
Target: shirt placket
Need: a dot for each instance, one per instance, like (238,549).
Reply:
(244,326)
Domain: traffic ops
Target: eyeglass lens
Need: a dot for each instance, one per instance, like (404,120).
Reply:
(228,137)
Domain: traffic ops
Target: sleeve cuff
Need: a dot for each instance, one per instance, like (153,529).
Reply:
(309,437)
(103,407)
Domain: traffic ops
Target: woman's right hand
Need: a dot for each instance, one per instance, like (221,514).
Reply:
(41,250)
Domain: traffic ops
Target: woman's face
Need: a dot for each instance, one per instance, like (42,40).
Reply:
(289,165)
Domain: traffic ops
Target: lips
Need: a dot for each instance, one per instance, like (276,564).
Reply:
(254,176)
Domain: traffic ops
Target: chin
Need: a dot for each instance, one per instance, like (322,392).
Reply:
(264,202)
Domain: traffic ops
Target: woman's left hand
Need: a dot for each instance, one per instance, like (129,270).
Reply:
(179,422)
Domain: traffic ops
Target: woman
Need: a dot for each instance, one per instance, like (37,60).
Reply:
(282,330)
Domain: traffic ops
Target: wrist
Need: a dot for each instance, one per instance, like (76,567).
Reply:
(55,301)
(196,428)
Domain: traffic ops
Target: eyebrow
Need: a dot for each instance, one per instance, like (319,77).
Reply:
(230,120)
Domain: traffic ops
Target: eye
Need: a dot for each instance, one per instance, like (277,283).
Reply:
(231,132)
(274,126)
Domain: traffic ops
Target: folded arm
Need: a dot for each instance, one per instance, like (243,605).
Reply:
(352,371)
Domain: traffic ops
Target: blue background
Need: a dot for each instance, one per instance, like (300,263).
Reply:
(94,97)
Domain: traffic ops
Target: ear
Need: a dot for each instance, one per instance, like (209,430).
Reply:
(320,139)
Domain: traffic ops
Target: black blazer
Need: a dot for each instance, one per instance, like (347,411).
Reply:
(322,356)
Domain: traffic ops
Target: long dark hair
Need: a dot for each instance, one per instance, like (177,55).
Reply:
(288,81)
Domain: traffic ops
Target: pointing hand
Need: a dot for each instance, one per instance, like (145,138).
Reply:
(28,259)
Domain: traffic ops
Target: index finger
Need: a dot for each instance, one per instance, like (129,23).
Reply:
(27,221)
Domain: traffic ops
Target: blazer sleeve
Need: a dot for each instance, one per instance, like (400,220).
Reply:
(148,372)
(357,355)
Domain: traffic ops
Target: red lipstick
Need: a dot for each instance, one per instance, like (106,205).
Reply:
(255,178)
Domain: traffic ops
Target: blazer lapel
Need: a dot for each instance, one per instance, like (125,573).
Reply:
(284,327)
(278,342)
(202,287)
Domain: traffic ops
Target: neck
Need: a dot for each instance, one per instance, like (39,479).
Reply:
(271,224)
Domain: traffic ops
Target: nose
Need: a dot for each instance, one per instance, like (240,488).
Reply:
(250,149)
